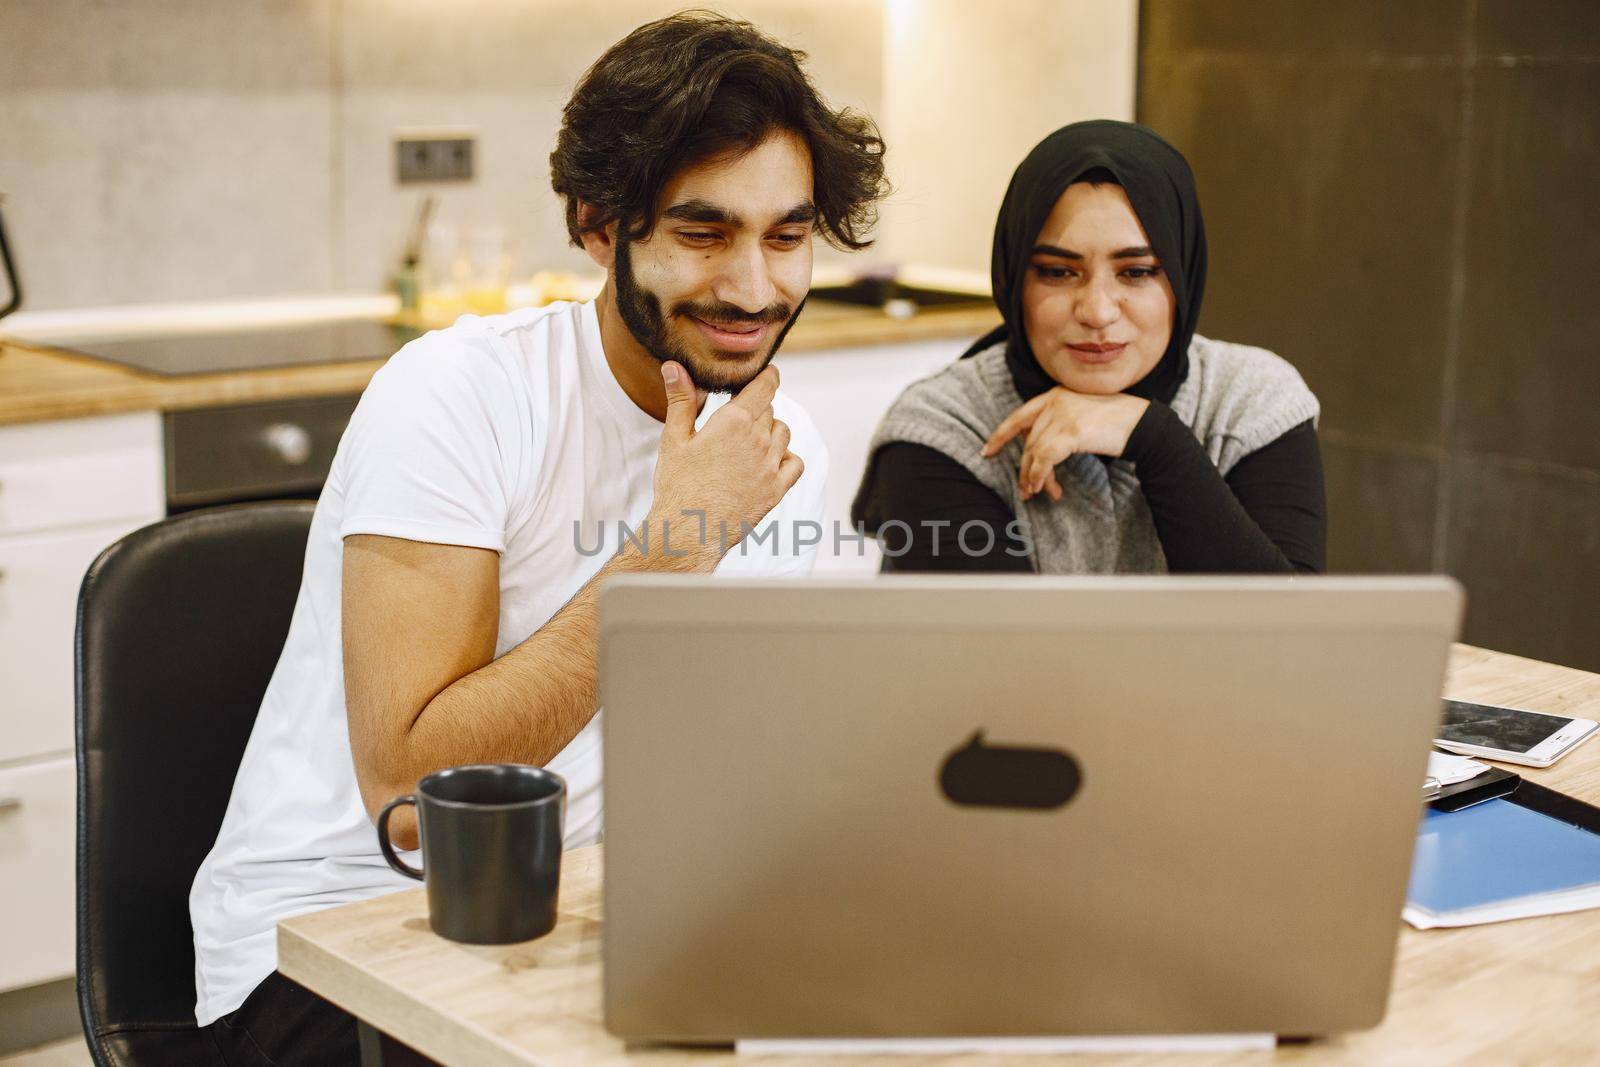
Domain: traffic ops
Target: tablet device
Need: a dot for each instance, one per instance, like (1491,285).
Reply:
(1531,738)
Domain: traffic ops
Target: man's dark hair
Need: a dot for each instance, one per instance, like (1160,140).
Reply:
(697,85)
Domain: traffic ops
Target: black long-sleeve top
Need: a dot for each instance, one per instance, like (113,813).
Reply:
(1267,516)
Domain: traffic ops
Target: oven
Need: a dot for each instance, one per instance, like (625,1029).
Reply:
(261,451)
(227,455)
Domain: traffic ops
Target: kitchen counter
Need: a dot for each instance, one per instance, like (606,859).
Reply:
(39,383)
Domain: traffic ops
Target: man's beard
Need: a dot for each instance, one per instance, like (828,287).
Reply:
(641,313)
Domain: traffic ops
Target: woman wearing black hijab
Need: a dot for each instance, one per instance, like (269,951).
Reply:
(1095,431)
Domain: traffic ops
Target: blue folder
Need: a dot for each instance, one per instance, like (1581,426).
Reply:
(1498,852)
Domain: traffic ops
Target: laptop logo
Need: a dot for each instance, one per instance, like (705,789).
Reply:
(996,776)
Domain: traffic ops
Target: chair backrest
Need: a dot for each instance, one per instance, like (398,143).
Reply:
(180,626)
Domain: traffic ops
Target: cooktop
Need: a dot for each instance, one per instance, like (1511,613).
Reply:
(344,341)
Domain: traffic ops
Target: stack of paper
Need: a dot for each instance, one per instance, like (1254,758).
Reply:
(1002,1046)
(1496,861)
(1448,770)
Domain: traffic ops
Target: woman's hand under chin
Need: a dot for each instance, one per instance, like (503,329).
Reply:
(1062,423)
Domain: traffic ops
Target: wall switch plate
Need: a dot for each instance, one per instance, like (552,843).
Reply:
(434,159)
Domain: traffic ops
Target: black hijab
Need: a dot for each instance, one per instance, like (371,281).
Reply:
(1160,186)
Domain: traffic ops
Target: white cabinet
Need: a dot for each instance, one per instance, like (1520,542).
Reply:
(37,805)
(846,391)
(76,472)
(67,490)
(39,578)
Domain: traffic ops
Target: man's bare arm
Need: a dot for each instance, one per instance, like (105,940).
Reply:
(423,690)
(422,687)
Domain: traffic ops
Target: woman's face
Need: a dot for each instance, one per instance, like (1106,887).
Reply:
(1096,304)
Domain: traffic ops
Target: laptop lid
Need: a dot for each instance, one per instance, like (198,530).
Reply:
(941,806)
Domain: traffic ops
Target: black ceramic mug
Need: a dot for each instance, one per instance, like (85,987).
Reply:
(491,850)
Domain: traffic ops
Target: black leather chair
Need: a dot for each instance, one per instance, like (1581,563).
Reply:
(179,628)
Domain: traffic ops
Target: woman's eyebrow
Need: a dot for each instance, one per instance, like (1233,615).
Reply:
(1131,252)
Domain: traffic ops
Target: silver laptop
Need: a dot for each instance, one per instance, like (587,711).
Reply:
(930,807)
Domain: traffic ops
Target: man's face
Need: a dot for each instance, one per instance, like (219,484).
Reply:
(724,274)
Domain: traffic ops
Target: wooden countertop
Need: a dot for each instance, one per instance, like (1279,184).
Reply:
(38,383)
(1514,992)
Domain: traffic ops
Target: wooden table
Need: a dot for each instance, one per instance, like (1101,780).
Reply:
(1524,992)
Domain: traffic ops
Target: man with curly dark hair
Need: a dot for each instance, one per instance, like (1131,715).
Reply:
(497,471)
(674,123)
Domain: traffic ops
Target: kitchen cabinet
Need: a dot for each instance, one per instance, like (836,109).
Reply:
(67,490)
(75,472)
(39,578)
(846,391)
(37,802)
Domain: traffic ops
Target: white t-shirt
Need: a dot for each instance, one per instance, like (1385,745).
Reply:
(506,433)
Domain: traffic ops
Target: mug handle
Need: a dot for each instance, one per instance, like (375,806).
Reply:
(388,846)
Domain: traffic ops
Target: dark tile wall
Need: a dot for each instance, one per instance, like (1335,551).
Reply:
(1276,30)
(1304,197)
(1525,539)
(1529,381)
(1568,29)
(1381,505)
(1402,200)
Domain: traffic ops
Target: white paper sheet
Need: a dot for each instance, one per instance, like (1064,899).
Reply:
(1450,769)
(1580,899)
(936,1046)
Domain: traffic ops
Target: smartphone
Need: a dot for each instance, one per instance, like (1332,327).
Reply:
(1530,738)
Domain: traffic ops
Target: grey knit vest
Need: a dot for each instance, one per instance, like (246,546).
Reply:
(1236,399)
